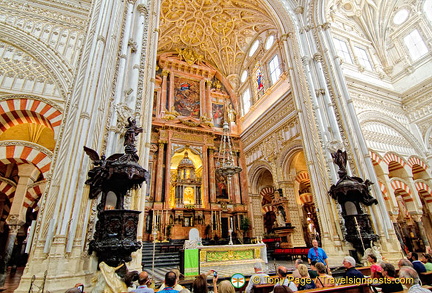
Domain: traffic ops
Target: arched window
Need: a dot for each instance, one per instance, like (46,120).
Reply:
(244,76)
(253,48)
(246,99)
(274,69)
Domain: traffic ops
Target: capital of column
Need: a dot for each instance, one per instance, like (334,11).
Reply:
(29,171)
(306,60)
(320,92)
(416,216)
(14,221)
(286,36)
(299,10)
(142,9)
(165,72)
(326,25)
(317,57)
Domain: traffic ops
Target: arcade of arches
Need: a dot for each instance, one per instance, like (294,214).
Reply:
(294,80)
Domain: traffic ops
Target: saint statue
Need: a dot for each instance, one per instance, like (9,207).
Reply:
(231,114)
(280,218)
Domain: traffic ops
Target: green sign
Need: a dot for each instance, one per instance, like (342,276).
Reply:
(191,262)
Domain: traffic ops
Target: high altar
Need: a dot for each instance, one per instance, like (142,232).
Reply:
(192,101)
(226,255)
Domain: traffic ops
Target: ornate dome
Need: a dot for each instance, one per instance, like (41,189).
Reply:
(186,162)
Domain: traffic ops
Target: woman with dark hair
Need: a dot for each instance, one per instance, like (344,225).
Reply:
(390,283)
(375,268)
(426,259)
(323,280)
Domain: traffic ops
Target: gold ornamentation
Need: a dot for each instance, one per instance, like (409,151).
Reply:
(189,56)
(207,27)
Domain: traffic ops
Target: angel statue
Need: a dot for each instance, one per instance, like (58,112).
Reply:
(98,174)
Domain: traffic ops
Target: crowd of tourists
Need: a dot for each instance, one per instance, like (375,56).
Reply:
(383,276)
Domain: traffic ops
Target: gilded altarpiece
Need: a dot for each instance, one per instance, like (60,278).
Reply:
(189,111)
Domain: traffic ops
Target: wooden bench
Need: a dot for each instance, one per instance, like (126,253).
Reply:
(426,278)
(263,288)
(366,271)
(362,288)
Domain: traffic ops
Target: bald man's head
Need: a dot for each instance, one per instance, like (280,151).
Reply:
(282,271)
(143,278)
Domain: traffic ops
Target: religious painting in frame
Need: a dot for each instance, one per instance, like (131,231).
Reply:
(187,97)
(218,115)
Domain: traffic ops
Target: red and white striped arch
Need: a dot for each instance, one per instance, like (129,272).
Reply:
(267,193)
(302,177)
(7,188)
(306,198)
(403,189)
(15,111)
(22,154)
(417,165)
(424,191)
(383,189)
(394,162)
(268,208)
(376,159)
(34,193)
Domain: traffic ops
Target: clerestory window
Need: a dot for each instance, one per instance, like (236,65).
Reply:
(415,44)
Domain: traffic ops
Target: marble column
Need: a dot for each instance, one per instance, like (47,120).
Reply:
(417,218)
(212,179)
(13,231)
(27,173)
(159,172)
(162,107)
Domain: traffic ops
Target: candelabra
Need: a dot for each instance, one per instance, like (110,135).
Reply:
(227,167)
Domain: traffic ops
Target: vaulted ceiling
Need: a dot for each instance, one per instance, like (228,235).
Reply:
(220,31)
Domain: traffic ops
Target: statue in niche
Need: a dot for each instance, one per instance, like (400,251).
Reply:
(280,217)
(231,114)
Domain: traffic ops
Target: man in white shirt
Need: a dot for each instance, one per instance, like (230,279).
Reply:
(258,278)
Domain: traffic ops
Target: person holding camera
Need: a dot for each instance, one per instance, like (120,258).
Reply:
(143,281)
